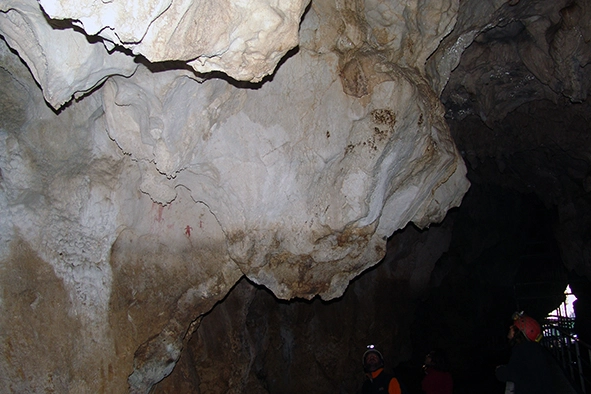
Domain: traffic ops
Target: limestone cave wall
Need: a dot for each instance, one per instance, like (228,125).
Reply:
(238,197)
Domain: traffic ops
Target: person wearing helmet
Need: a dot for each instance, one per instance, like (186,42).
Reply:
(528,370)
(377,381)
(437,379)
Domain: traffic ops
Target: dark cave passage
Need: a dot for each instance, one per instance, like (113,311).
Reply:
(503,257)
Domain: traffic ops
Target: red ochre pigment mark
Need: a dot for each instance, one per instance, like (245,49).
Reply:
(200,224)
(159,215)
(188,230)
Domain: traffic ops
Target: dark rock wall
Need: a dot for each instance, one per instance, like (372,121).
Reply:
(253,343)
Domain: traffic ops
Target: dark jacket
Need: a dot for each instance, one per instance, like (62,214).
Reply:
(378,382)
(529,369)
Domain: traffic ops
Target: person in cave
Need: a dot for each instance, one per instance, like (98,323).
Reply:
(378,381)
(437,379)
(529,368)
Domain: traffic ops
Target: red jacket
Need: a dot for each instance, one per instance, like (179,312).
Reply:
(437,382)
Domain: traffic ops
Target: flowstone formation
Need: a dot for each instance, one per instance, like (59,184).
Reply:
(142,187)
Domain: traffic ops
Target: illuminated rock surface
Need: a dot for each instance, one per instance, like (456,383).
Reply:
(138,188)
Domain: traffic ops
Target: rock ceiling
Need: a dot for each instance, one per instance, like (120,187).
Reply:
(154,153)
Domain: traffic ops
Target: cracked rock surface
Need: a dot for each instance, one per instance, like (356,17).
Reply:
(151,158)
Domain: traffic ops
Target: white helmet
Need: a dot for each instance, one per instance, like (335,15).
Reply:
(371,367)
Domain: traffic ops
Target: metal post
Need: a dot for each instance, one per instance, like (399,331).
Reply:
(580,362)
(570,357)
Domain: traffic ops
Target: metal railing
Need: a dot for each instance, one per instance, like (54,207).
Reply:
(572,354)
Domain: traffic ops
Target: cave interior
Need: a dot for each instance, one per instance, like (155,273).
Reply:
(521,235)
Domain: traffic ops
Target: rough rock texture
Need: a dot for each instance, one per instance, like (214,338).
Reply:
(145,191)
(250,343)
(529,52)
(63,61)
(518,108)
(170,168)
(519,97)
(244,39)
(521,234)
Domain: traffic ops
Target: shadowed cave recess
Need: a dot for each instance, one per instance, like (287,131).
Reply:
(220,314)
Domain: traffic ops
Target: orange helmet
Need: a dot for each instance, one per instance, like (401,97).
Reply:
(528,326)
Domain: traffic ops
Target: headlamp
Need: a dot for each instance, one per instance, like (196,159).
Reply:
(518,315)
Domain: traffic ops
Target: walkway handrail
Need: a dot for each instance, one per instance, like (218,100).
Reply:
(573,355)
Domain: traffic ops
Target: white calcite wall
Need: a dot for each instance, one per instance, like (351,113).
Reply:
(244,39)
(63,61)
(145,191)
